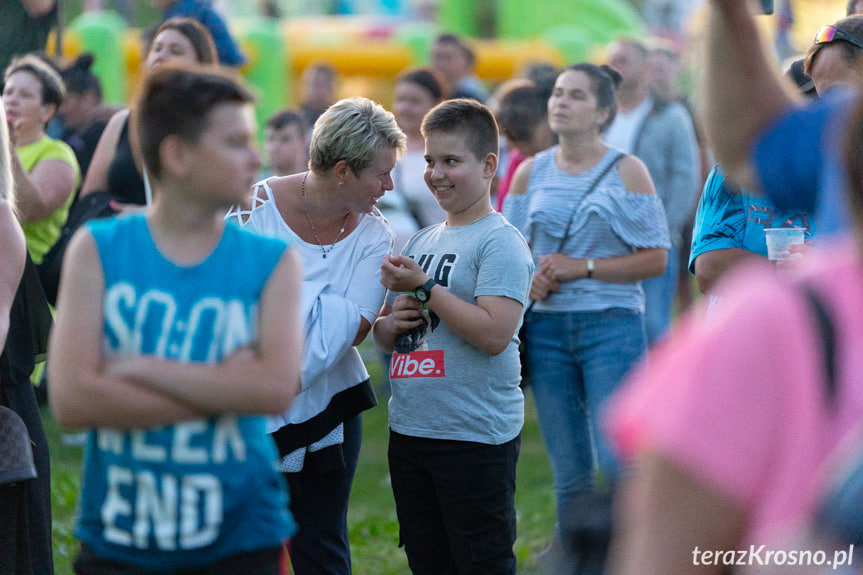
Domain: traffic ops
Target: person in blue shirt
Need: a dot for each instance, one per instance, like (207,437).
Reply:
(764,138)
(175,332)
(729,228)
(202,11)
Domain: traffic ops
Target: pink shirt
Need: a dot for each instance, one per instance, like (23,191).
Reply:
(739,399)
(515,159)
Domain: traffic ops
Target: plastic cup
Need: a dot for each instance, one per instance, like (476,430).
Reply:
(779,240)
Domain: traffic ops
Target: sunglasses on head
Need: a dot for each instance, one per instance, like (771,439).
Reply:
(829,34)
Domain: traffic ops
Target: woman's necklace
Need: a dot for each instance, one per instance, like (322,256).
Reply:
(325,250)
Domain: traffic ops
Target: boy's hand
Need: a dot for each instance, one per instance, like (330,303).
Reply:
(541,286)
(400,273)
(407,313)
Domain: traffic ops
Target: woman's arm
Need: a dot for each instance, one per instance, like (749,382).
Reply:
(12,259)
(515,204)
(664,515)
(644,263)
(97,175)
(44,190)
(365,288)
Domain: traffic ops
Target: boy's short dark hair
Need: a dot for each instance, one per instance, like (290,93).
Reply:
(285,118)
(467,117)
(176,100)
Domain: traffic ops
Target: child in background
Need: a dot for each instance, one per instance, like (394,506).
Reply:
(174,331)
(286,145)
(456,410)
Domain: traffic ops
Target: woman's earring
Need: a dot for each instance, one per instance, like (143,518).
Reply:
(341,184)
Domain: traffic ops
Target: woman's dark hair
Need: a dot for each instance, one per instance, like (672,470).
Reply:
(79,79)
(520,108)
(429,80)
(198,36)
(605,81)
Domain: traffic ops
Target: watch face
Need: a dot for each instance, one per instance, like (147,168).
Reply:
(422,294)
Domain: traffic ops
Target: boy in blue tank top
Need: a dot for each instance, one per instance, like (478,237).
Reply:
(175,333)
(456,409)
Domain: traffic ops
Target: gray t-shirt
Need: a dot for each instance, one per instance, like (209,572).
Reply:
(449,389)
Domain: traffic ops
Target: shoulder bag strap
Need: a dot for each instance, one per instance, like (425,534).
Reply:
(827,335)
(614,161)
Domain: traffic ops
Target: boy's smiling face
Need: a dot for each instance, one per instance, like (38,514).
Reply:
(459,181)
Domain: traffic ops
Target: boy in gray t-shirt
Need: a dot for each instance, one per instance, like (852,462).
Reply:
(456,410)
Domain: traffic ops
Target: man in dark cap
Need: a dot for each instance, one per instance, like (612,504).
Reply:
(836,57)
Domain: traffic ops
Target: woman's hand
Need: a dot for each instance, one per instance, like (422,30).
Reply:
(559,267)
(10,125)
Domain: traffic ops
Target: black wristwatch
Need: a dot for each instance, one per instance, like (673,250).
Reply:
(423,292)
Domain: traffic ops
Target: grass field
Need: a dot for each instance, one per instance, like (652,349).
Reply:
(372,516)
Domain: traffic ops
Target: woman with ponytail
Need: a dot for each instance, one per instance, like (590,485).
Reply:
(596,228)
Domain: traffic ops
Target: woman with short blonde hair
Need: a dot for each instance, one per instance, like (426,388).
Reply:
(330,214)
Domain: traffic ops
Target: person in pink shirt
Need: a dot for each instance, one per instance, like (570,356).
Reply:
(522,114)
(731,427)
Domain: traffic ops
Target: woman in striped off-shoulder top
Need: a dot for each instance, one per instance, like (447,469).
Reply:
(596,229)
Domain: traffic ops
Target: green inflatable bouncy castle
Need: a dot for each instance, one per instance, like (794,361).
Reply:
(266,69)
(575,27)
(102,34)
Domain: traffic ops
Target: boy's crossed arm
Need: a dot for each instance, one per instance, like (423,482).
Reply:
(489,325)
(88,391)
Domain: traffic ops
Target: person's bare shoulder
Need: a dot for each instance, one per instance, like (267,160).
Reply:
(634,175)
(521,178)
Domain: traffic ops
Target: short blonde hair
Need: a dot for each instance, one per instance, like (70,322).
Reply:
(353,130)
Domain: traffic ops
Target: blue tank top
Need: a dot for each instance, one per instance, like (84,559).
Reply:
(189,494)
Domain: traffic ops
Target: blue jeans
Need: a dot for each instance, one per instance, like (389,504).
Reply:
(576,360)
(659,294)
(455,502)
(319,504)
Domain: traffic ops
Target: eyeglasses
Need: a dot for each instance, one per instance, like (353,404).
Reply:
(829,34)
